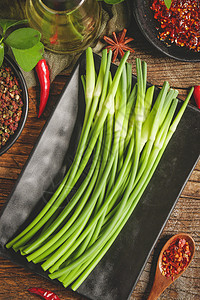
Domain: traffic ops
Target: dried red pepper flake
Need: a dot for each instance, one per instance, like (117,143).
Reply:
(176,258)
(180,24)
(10,103)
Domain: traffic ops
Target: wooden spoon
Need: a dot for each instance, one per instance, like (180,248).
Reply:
(161,282)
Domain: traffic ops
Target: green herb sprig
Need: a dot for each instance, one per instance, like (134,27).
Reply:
(24,43)
(168,3)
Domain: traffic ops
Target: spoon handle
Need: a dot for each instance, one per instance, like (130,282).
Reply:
(158,287)
(154,294)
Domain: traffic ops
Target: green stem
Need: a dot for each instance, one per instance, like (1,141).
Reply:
(132,202)
(66,211)
(103,238)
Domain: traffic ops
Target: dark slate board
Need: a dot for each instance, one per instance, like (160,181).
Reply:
(115,277)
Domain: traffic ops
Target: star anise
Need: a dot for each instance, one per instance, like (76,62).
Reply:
(118,44)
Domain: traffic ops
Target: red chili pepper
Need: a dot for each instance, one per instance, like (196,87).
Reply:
(196,94)
(44,293)
(44,79)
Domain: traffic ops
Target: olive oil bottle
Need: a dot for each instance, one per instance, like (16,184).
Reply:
(66,25)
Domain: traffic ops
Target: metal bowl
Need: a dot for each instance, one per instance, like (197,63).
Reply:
(12,139)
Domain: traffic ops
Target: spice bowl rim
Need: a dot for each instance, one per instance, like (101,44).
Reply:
(17,71)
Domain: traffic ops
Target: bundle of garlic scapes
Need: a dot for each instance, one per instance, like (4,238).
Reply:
(122,141)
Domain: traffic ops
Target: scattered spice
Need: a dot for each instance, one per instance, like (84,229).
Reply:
(10,103)
(44,293)
(176,258)
(118,44)
(196,94)
(42,71)
(180,24)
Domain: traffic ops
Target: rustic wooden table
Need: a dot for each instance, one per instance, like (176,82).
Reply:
(15,280)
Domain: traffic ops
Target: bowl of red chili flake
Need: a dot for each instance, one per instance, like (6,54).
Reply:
(176,255)
(180,24)
(13,103)
(175,31)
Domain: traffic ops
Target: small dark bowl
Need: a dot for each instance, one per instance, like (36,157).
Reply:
(12,139)
(147,24)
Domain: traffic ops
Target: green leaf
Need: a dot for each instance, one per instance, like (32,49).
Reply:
(28,58)
(113,1)
(23,38)
(1,53)
(168,3)
(6,23)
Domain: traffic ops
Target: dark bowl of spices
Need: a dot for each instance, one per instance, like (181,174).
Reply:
(13,103)
(174,31)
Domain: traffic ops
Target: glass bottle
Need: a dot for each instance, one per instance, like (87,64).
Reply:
(66,25)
